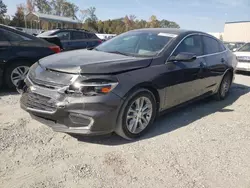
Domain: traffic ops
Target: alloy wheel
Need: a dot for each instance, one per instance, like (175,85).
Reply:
(225,86)
(139,115)
(19,73)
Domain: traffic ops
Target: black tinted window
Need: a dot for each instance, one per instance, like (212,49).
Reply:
(222,47)
(78,35)
(14,37)
(2,37)
(91,36)
(191,44)
(211,45)
(65,35)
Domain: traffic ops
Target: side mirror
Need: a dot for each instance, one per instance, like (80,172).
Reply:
(235,49)
(184,56)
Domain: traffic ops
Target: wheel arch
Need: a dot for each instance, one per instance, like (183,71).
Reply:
(149,86)
(17,60)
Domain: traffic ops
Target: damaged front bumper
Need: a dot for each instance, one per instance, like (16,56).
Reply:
(88,115)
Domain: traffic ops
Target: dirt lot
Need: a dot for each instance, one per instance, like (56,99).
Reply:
(206,144)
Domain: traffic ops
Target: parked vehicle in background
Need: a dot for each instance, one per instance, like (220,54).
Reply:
(73,39)
(233,46)
(124,83)
(243,57)
(18,51)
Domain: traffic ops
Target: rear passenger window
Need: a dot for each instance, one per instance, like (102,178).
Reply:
(91,36)
(3,39)
(191,44)
(63,35)
(222,47)
(211,45)
(78,35)
(14,37)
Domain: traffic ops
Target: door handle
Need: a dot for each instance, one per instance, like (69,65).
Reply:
(222,60)
(202,64)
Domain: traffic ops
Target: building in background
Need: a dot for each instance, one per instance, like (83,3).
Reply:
(217,35)
(237,31)
(39,21)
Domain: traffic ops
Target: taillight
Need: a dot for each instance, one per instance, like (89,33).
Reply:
(99,41)
(55,49)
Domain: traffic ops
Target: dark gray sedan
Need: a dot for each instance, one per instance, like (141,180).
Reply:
(123,84)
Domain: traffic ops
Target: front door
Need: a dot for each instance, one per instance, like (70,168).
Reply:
(185,78)
(4,47)
(65,39)
(79,40)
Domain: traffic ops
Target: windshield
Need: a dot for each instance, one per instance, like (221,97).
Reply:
(136,43)
(245,48)
(47,33)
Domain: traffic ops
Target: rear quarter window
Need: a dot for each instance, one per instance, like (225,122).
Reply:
(211,45)
(222,47)
(14,37)
(91,36)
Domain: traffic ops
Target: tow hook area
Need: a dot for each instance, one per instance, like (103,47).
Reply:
(21,86)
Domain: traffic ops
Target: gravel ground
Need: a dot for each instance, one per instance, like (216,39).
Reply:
(206,144)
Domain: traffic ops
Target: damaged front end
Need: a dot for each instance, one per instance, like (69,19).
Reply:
(70,102)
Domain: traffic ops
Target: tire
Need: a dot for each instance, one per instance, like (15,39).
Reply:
(9,73)
(223,90)
(122,128)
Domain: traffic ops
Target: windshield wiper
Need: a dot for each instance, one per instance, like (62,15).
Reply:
(118,52)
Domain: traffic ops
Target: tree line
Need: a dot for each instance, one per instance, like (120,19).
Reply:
(87,17)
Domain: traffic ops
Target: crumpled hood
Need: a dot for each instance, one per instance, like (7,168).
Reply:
(92,62)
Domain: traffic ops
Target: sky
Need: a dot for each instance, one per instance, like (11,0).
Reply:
(202,15)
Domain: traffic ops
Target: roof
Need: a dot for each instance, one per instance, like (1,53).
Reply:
(174,31)
(237,22)
(54,17)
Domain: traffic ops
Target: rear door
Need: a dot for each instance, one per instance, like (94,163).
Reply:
(185,78)
(65,39)
(216,61)
(79,40)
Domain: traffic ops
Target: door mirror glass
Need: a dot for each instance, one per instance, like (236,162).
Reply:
(184,56)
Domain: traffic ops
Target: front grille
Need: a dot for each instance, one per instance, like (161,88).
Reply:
(39,102)
(45,84)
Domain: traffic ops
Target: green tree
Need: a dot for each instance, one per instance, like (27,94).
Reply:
(69,9)
(3,10)
(168,24)
(30,5)
(43,6)
(91,14)
(153,22)
(100,26)
(18,18)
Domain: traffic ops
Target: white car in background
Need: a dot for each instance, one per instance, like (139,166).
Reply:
(243,57)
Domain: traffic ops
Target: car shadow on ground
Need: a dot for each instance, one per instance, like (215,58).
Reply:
(5,92)
(176,119)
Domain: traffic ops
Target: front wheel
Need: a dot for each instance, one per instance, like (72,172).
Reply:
(137,114)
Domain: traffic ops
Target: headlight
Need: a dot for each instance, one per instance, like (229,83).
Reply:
(92,88)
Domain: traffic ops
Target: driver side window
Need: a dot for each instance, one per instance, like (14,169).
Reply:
(191,44)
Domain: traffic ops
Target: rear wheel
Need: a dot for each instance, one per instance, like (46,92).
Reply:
(15,73)
(224,87)
(137,114)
